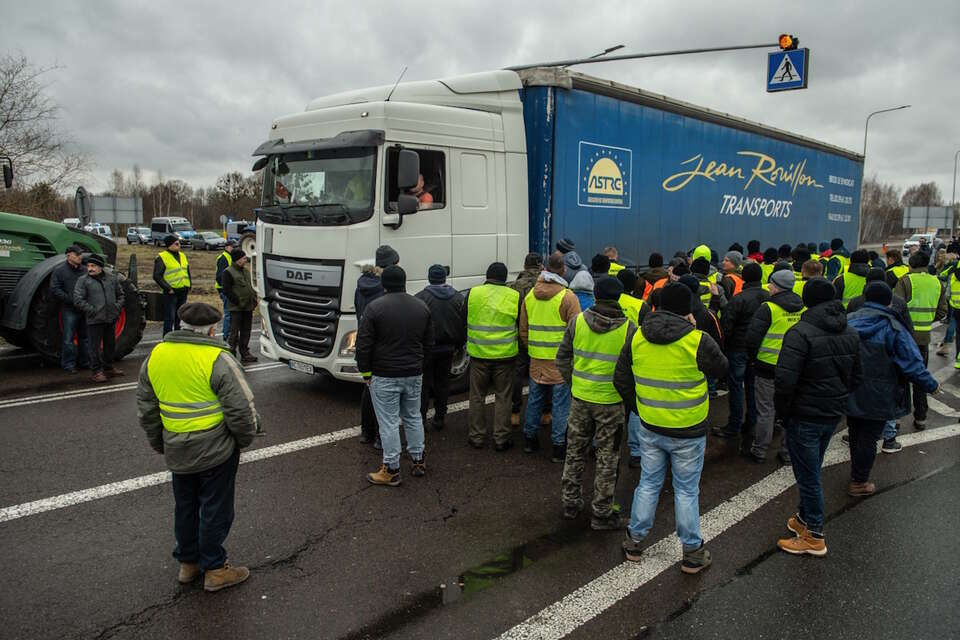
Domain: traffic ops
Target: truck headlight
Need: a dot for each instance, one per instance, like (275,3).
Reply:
(348,345)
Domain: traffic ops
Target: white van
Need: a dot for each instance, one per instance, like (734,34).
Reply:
(160,228)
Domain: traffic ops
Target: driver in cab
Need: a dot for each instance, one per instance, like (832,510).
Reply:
(424,196)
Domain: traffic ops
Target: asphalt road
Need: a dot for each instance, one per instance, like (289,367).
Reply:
(334,557)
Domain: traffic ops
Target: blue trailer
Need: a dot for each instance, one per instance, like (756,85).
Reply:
(612,164)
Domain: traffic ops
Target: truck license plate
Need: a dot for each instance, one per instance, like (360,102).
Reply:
(302,367)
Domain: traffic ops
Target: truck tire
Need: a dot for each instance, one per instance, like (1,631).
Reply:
(44,329)
(460,371)
(248,242)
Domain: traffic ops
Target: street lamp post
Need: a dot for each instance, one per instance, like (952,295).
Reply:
(863,169)
(953,194)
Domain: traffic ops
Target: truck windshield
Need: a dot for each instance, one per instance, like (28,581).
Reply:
(182,226)
(326,187)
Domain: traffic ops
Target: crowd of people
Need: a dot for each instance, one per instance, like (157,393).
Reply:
(798,339)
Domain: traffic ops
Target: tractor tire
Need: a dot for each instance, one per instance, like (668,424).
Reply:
(44,332)
(249,244)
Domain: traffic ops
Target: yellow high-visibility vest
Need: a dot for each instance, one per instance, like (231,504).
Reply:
(180,376)
(492,322)
(175,271)
(594,359)
(544,325)
(225,254)
(780,321)
(671,390)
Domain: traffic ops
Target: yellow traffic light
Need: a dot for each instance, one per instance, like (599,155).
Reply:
(788,42)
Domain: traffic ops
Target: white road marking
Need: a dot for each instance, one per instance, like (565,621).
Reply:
(96,391)
(941,408)
(137,348)
(598,595)
(125,486)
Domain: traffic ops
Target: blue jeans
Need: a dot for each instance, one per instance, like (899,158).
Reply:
(741,383)
(561,410)
(951,329)
(226,316)
(890,430)
(807,442)
(73,323)
(203,513)
(396,399)
(686,462)
(634,427)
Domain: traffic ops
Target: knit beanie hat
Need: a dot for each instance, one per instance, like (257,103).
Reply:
(736,246)
(607,288)
(236,254)
(436,274)
(878,292)
(919,259)
(753,246)
(770,255)
(675,298)
(783,278)
(735,258)
(784,251)
(876,274)
(169,240)
(655,260)
(836,243)
(600,264)
(565,245)
(817,291)
(394,278)
(386,256)
(496,272)
(700,266)
(628,279)
(859,257)
(812,247)
(681,269)
(752,272)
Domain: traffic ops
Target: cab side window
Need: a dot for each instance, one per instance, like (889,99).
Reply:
(431,188)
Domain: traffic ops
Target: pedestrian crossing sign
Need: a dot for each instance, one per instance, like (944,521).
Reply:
(787,69)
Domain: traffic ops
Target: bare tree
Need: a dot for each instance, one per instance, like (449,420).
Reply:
(28,127)
(117,183)
(925,194)
(882,213)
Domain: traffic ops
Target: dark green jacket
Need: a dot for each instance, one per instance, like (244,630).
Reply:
(238,287)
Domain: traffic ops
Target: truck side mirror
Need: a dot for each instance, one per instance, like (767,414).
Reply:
(407,204)
(408,169)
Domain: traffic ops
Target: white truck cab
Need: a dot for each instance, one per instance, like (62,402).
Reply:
(332,194)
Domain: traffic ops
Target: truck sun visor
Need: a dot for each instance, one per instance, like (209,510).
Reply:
(362,138)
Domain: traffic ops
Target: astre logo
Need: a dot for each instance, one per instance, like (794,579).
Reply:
(605,176)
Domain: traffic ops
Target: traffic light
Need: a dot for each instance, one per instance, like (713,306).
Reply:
(788,42)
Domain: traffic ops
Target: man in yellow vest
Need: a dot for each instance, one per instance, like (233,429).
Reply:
(613,254)
(926,299)
(586,359)
(544,315)
(490,315)
(661,375)
(764,340)
(895,267)
(224,260)
(197,410)
(850,283)
(171,272)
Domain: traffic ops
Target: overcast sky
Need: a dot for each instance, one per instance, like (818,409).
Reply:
(191,88)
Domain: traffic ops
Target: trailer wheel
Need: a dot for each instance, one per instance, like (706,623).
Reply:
(460,371)
(44,329)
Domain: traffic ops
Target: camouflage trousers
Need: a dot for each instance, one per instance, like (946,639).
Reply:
(602,424)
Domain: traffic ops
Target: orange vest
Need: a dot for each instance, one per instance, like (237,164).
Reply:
(647,288)
(737,282)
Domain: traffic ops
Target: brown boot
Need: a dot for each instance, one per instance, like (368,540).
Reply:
(795,524)
(99,376)
(189,571)
(861,489)
(225,576)
(547,419)
(385,476)
(806,543)
(113,372)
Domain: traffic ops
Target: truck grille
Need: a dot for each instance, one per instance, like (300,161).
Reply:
(303,317)
(9,279)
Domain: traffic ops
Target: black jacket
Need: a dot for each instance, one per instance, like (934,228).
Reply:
(819,366)
(786,300)
(663,327)
(737,315)
(395,333)
(446,306)
(369,288)
(159,269)
(63,281)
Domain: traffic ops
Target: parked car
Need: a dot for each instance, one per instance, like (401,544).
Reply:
(138,235)
(73,223)
(918,239)
(208,240)
(160,228)
(100,229)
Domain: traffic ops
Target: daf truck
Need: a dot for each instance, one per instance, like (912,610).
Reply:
(514,161)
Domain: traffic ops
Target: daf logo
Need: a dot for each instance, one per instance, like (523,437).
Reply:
(299,275)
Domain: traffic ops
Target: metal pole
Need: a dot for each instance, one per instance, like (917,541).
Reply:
(635,56)
(863,167)
(953,194)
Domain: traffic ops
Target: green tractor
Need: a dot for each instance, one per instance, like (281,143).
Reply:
(30,249)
